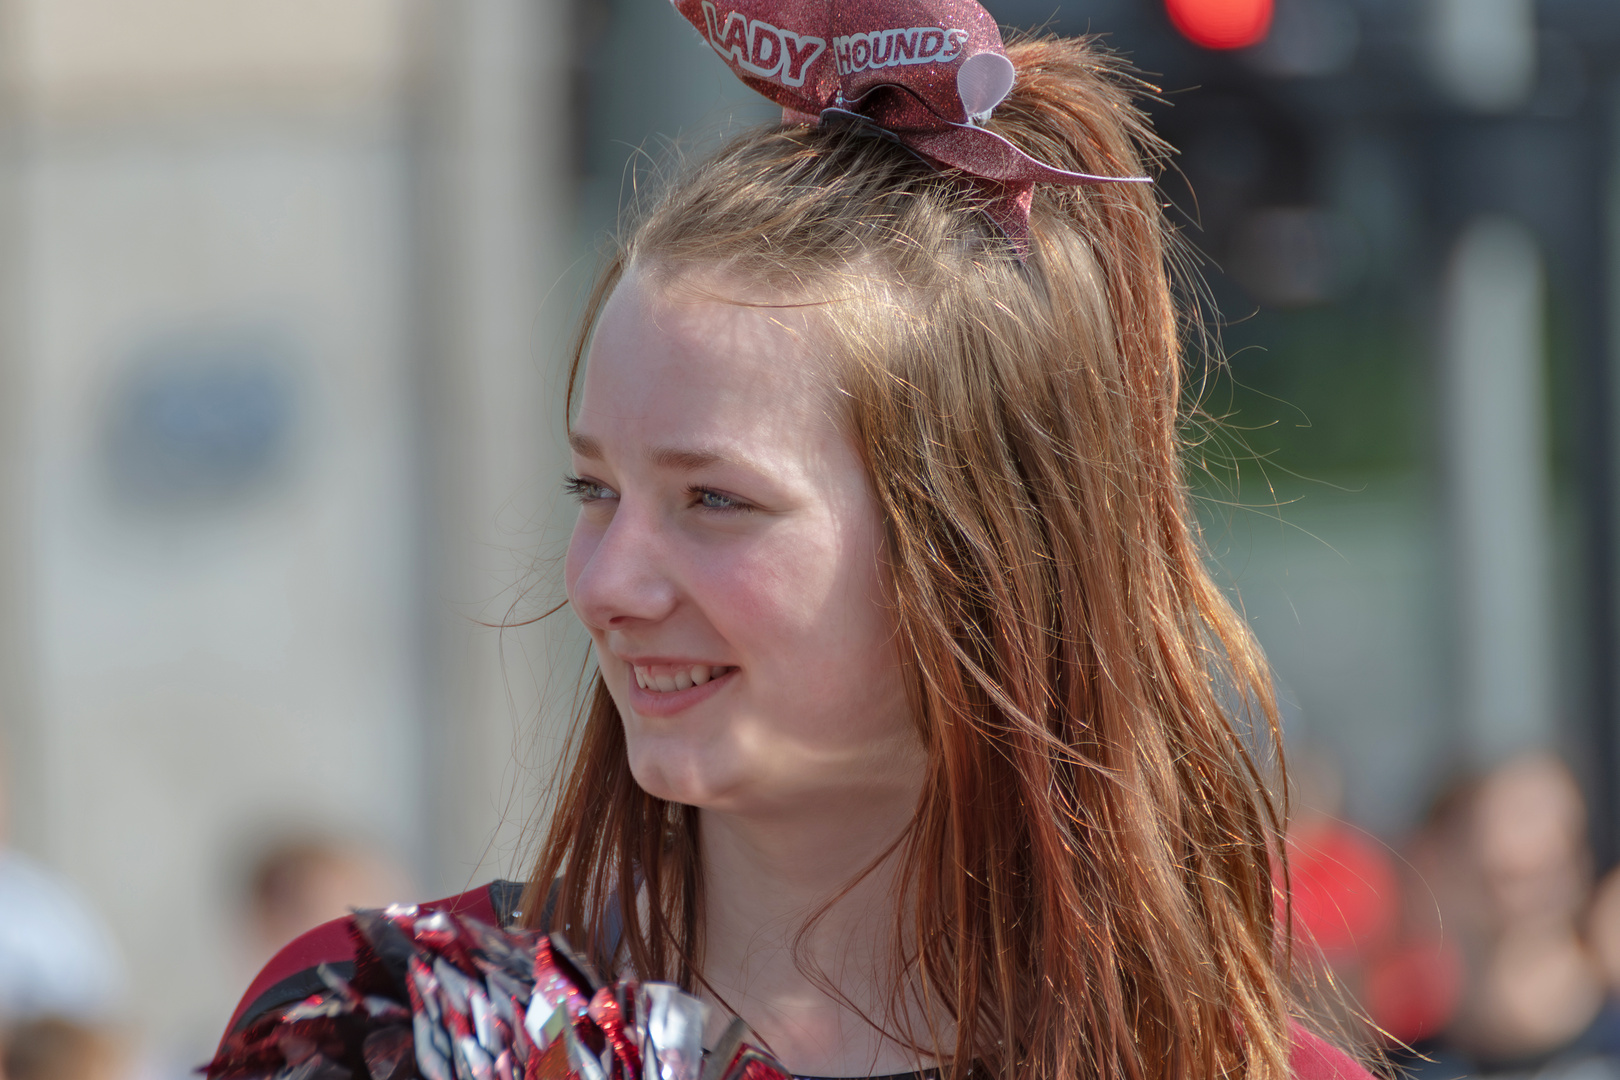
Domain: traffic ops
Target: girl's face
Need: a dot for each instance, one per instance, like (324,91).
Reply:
(726,562)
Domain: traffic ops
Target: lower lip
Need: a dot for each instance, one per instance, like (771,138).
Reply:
(654,703)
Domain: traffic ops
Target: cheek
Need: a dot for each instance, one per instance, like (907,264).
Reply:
(810,606)
(747,597)
(866,628)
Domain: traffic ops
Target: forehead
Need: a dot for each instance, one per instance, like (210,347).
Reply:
(705,358)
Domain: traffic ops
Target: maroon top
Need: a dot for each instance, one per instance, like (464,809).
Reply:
(291,977)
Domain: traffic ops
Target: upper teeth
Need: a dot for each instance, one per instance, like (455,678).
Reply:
(666,677)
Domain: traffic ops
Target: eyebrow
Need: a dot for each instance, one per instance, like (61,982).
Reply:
(669,457)
(665,457)
(585,446)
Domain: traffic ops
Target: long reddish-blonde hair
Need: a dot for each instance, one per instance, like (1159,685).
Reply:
(1086,884)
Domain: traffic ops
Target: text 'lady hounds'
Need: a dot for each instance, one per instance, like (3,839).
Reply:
(772,52)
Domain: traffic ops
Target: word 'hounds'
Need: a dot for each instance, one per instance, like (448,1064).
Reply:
(760,48)
(889,48)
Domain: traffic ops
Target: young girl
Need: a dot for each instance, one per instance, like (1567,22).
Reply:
(917,735)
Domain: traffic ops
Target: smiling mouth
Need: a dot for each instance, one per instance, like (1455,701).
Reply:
(667,678)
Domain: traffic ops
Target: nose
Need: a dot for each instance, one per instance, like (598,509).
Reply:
(616,574)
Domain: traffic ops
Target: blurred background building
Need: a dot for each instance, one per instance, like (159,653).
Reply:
(285,291)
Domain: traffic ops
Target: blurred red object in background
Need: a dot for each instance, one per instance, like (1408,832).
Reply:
(1412,991)
(1346,897)
(1348,914)
(1221,24)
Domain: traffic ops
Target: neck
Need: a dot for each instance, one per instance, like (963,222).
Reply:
(804,987)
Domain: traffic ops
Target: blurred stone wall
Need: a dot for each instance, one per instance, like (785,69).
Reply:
(275,368)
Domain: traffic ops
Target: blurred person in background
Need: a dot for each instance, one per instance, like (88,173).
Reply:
(301,880)
(291,880)
(1344,894)
(1346,897)
(57,957)
(1603,930)
(55,1048)
(62,977)
(1506,858)
(1381,973)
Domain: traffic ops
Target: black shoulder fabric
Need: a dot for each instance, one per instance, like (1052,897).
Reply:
(612,933)
(504,897)
(549,912)
(294,988)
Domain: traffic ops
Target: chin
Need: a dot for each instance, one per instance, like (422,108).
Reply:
(685,775)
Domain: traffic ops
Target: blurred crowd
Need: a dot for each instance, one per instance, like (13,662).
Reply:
(64,993)
(1483,944)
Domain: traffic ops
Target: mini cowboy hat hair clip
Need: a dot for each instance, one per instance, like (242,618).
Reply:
(927,73)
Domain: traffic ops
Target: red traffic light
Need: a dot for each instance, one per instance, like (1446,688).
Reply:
(1221,24)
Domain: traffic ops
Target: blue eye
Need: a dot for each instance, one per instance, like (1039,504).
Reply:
(714,500)
(587,491)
